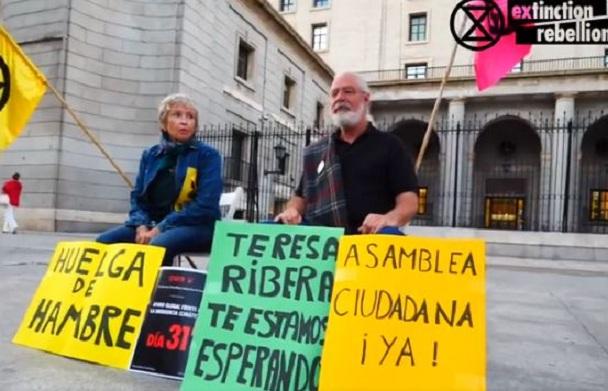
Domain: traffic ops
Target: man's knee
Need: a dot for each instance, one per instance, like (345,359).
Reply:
(391,231)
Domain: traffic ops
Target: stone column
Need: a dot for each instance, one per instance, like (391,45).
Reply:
(558,163)
(451,163)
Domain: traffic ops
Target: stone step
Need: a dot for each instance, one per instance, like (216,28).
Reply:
(529,245)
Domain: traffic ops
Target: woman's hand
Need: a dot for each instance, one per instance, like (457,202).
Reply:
(147,236)
(140,233)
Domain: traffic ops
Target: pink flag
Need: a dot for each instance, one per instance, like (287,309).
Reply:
(493,63)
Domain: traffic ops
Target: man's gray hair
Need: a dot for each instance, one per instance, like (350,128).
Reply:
(171,100)
(361,83)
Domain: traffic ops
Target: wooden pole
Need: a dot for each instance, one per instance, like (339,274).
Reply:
(91,136)
(446,75)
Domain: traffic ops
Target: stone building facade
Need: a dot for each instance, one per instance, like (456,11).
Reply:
(114,60)
(530,153)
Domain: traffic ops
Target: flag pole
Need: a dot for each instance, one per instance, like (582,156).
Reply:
(446,75)
(91,136)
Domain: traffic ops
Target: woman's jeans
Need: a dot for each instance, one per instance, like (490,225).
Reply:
(194,238)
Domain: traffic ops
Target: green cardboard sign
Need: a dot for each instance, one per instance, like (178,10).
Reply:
(265,308)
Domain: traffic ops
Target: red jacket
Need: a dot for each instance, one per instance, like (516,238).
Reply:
(13,189)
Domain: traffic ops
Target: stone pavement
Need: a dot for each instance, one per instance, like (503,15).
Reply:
(23,262)
(547,326)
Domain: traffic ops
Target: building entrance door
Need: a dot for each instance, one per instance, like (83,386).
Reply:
(504,213)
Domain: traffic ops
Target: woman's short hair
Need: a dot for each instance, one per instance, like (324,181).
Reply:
(171,100)
(16,176)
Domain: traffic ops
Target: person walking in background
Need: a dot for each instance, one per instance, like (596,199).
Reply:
(12,188)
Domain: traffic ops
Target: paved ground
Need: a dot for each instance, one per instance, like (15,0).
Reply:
(547,326)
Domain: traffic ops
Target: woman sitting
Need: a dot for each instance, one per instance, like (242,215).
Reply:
(175,201)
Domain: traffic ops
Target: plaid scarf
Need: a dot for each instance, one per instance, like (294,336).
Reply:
(322,185)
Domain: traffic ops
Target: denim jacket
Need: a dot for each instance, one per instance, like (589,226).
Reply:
(198,183)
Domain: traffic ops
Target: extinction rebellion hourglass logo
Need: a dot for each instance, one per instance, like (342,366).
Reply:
(5,83)
(551,22)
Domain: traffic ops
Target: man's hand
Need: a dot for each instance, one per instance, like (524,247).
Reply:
(373,223)
(406,205)
(289,216)
(140,234)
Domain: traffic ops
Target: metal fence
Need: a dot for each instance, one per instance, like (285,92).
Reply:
(510,173)
(266,161)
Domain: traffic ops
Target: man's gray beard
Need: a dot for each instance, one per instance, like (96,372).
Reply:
(347,118)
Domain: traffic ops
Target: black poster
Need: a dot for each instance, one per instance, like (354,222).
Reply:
(162,347)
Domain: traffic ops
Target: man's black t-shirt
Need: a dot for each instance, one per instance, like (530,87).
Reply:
(375,169)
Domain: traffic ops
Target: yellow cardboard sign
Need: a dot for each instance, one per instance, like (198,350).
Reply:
(91,302)
(407,313)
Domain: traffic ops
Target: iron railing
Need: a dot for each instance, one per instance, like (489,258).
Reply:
(563,65)
(511,172)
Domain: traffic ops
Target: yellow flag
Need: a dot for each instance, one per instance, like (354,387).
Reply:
(22,86)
